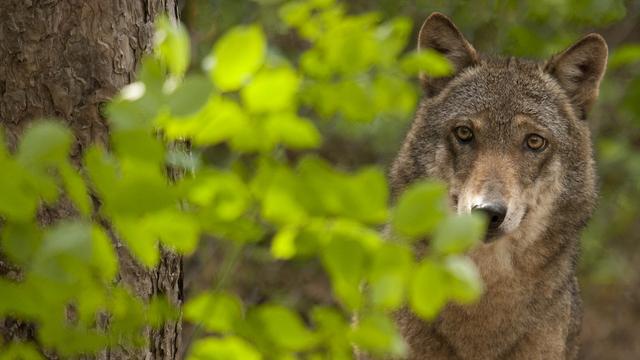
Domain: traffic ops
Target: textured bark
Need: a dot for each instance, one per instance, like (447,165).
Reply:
(65,59)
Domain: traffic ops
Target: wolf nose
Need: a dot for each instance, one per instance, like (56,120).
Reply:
(495,212)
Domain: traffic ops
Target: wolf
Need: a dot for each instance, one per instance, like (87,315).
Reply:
(510,138)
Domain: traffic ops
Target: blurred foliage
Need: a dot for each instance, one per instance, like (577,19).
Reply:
(533,29)
(280,84)
(273,189)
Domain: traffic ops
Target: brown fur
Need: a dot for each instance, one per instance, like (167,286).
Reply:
(531,305)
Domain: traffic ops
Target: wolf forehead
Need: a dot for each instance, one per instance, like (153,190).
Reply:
(501,89)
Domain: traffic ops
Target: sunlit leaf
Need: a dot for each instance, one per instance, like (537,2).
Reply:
(215,311)
(284,327)
(378,334)
(345,260)
(294,132)
(389,275)
(283,245)
(428,291)
(172,45)
(237,56)
(420,208)
(76,188)
(103,255)
(271,90)
(227,348)
(465,285)
(459,233)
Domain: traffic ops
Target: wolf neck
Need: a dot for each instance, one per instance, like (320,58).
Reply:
(523,286)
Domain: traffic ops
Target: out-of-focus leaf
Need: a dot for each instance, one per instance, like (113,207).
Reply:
(346,260)
(271,90)
(190,96)
(102,169)
(377,334)
(19,350)
(428,292)
(283,245)
(237,56)
(44,143)
(218,312)
(76,188)
(103,254)
(459,233)
(172,45)
(420,208)
(284,327)
(292,131)
(426,61)
(227,348)
(174,228)
(139,144)
(465,285)
(389,275)
(20,241)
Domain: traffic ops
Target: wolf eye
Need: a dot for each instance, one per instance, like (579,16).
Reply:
(536,142)
(463,133)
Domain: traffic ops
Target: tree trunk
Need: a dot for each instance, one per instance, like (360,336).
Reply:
(64,59)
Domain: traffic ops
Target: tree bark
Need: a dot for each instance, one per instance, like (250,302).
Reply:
(65,59)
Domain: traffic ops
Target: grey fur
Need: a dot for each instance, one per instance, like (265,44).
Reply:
(531,306)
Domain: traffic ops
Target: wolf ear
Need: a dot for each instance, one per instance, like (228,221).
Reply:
(440,34)
(579,70)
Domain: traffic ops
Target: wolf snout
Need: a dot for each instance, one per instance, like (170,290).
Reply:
(495,213)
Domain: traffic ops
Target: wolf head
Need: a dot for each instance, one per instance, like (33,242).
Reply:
(509,136)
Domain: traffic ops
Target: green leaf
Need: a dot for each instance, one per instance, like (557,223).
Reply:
(426,61)
(428,292)
(19,350)
(190,96)
(76,188)
(103,257)
(378,334)
(172,45)
(44,143)
(333,329)
(271,90)
(457,234)
(420,209)
(284,327)
(283,245)
(224,192)
(218,312)
(138,144)
(142,243)
(280,203)
(345,260)
(174,228)
(68,237)
(20,241)
(219,120)
(227,348)
(295,13)
(18,198)
(388,279)
(465,285)
(102,170)
(237,56)
(292,131)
